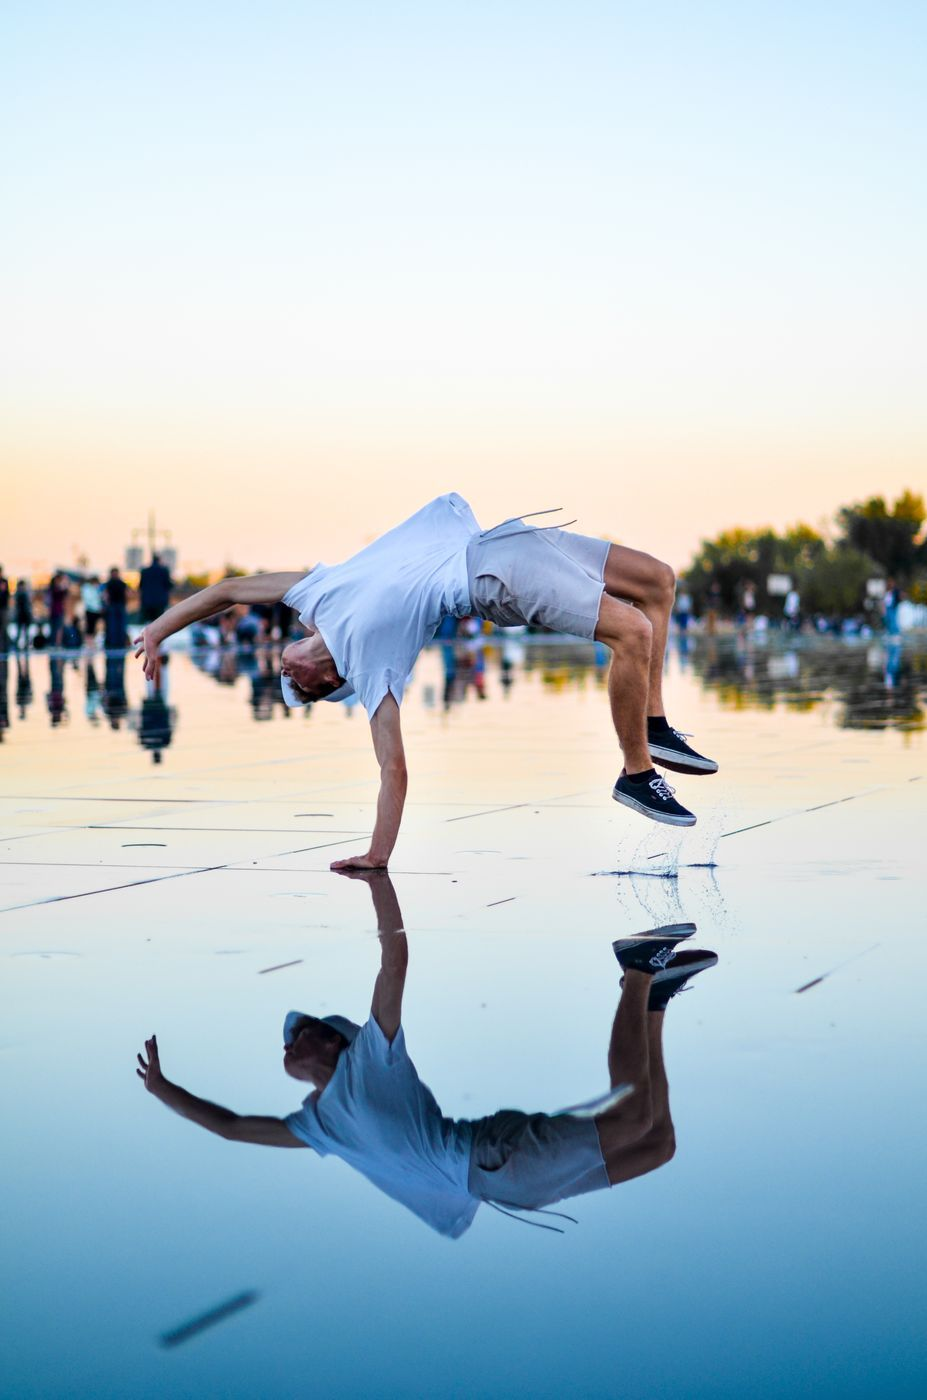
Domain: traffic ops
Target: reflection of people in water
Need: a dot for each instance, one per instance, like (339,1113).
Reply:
(369,1107)
(23,684)
(4,696)
(57,705)
(93,700)
(156,719)
(115,703)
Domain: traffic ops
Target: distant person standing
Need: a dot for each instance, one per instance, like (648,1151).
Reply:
(155,584)
(22,613)
(748,604)
(4,611)
(683,609)
(793,609)
(890,603)
(92,601)
(116,595)
(59,590)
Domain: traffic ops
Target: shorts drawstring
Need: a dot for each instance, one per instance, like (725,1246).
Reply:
(535,1210)
(517,519)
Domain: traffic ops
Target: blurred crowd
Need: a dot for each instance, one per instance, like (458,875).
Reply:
(889,614)
(77,610)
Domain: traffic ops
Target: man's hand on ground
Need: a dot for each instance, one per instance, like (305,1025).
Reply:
(358,863)
(357,872)
(150,1071)
(147,644)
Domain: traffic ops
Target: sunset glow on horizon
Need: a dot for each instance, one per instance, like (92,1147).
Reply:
(281,275)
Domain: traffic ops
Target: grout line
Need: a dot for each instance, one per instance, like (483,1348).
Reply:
(95,865)
(110,889)
(489,812)
(786,816)
(253,830)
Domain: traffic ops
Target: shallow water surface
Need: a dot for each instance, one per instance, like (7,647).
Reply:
(165,869)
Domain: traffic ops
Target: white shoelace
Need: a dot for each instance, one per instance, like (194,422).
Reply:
(661,788)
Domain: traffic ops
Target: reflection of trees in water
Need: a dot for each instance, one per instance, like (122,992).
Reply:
(878,685)
(567,665)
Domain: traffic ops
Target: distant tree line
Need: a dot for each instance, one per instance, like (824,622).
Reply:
(872,540)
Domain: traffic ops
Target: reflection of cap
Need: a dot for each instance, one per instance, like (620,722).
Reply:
(348,1029)
(294,702)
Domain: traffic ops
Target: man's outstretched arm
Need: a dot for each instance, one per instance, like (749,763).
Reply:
(234,1127)
(387,744)
(255,588)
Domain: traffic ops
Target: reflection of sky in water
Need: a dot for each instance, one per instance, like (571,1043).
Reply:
(779,1252)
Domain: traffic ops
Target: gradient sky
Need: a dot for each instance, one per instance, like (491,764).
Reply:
(283,272)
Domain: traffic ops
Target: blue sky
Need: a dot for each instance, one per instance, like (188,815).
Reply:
(661,266)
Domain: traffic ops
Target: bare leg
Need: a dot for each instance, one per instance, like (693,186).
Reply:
(651,587)
(646,1140)
(628,634)
(628,1063)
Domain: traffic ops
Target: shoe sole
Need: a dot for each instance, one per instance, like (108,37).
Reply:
(669,758)
(650,935)
(665,818)
(690,969)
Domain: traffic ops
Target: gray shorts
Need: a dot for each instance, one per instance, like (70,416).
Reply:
(542,578)
(530,1160)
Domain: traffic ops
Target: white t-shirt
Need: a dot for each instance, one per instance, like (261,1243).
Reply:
(377,610)
(377,1115)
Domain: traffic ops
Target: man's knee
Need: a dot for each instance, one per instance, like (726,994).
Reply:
(626,1123)
(638,635)
(663,581)
(665,1146)
(624,628)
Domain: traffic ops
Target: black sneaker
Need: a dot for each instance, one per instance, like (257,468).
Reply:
(651,952)
(670,750)
(672,979)
(653,798)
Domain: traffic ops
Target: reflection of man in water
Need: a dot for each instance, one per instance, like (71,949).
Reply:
(369,1107)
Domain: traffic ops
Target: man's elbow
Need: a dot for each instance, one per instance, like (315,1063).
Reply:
(394,772)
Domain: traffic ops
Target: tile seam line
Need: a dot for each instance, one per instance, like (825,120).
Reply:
(805,811)
(111,889)
(155,879)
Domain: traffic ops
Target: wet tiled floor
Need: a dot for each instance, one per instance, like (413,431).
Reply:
(166,869)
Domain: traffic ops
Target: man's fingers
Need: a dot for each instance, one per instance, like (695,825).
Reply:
(141,1062)
(140,1073)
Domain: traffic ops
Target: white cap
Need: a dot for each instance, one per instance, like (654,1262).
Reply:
(348,1029)
(293,701)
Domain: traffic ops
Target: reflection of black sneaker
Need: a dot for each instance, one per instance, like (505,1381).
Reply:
(672,979)
(652,798)
(670,750)
(653,954)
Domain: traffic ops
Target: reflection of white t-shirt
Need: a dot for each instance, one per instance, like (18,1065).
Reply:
(377,610)
(377,1115)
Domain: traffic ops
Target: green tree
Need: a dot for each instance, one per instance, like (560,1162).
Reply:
(887,535)
(737,557)
(835,583)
